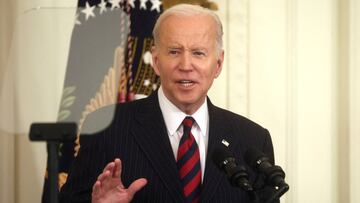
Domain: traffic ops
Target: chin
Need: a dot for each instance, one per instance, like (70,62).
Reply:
(189,101)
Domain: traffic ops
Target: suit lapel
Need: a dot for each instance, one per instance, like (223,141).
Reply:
(151,135)
(219,129)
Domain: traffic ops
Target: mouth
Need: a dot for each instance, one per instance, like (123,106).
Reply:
(186,83)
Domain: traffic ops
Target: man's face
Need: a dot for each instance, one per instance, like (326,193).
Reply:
(186,59)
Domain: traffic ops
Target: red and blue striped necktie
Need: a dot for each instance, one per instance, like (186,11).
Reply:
(188,163)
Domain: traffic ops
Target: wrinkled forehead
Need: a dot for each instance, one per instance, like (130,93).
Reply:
(185,29)
(183,20)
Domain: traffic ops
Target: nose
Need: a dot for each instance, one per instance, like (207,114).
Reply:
(186,62)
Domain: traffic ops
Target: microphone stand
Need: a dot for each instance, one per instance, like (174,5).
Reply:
(53,171)
(53,134)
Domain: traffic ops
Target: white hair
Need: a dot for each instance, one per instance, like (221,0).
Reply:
(190,10)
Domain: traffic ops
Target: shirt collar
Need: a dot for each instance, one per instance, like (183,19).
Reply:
(174,116)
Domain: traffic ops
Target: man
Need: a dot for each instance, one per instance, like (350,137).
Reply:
(143,156)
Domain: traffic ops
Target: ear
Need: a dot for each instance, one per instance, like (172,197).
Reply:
(219,64)
(155,60)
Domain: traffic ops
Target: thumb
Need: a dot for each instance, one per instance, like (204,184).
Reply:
(136,186)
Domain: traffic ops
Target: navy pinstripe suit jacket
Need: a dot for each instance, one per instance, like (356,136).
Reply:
(138,136)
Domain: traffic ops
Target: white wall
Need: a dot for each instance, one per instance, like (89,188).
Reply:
(284,68)
(284,72)
(35,55)
(354,72)
(7,145)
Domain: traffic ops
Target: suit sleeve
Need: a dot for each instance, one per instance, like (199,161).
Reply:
(84,171)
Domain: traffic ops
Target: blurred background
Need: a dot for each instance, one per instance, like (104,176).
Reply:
(292,66)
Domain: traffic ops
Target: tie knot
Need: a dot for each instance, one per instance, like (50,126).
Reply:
(188,121)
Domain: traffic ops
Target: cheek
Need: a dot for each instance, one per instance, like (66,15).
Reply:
(165,73)
(168,69)
(211,72)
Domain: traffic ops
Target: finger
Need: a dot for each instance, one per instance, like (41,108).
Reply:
(109,167)
(117,171)
(117,168)
(106,181)
(96,189)
(106,175)
(103,176)
(136,186)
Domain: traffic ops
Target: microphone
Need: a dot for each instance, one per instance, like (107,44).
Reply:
(237,175)
(274,174)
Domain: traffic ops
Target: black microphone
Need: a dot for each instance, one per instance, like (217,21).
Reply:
(274,174)
(237,175)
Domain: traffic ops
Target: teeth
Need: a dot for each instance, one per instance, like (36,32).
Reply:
(186,83)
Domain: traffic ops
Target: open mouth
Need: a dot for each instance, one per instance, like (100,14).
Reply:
(186,83)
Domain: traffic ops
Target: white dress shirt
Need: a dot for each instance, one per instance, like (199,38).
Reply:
(173,117)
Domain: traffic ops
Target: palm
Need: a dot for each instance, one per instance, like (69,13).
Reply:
(109,187)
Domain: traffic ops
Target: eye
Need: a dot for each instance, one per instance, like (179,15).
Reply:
(174,52)
(199,53)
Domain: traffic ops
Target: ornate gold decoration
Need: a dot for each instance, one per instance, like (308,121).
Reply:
(107,93)
(62,179)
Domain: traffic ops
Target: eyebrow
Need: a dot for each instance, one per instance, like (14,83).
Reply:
(174,47)
(191,49)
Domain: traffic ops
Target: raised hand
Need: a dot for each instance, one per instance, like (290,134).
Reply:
(109,187)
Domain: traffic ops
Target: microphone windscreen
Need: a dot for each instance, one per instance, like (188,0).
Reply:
(252,155)
(220,154)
